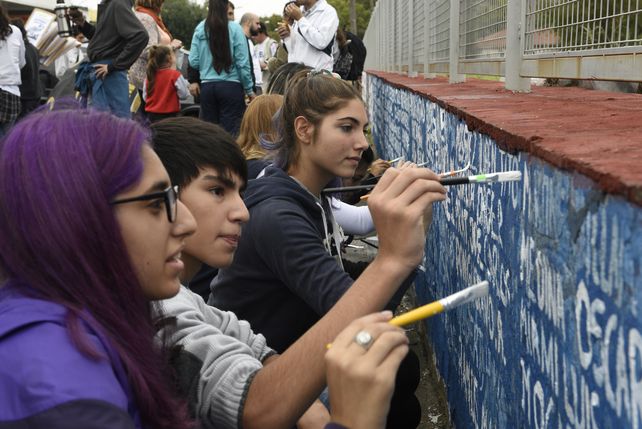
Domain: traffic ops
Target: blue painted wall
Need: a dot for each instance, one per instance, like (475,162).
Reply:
(558,343)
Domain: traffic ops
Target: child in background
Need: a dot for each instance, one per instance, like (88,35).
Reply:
(164,85)
(257,122)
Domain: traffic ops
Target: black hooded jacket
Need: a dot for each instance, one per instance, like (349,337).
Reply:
(283,278)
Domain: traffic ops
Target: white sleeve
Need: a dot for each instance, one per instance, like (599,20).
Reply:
(355,220)
(182,87)
(145,90)
(22,50)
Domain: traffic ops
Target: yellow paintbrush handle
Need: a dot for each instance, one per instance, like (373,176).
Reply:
(420,313)
(415,315)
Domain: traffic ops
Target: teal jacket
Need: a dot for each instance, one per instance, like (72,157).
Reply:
(200,57)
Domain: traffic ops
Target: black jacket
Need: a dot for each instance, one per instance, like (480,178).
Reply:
(282,280)
(119,35)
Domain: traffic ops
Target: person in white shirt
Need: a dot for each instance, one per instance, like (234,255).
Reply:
(310,39)
(264,49)
(12,59)
(250,25)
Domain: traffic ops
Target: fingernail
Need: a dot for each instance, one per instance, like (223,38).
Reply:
(387,313)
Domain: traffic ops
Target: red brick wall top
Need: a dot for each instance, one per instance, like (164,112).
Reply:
(595,133)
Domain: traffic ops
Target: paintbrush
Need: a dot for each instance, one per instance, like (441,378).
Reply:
(465,296)
(462,297)
(505,176)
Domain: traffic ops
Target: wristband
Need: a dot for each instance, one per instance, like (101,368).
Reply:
(333,425)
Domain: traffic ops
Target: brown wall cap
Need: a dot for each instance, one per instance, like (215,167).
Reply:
(595,133)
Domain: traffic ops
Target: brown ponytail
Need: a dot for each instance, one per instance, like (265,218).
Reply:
(159,57)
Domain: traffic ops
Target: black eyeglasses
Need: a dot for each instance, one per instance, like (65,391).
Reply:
(169,195)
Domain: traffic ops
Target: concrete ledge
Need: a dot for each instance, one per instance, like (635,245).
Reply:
(595,133)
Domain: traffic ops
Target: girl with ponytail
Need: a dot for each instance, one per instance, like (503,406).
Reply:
(164,85)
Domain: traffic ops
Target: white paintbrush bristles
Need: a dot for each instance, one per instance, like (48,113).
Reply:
(509,176)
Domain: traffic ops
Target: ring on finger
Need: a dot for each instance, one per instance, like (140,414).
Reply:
(364,339)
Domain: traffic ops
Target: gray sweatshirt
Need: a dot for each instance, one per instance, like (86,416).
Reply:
(119,35)
(218,358)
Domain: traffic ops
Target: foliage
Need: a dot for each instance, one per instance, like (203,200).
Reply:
(271,23)
(181,18)
(588,24)
(363,8)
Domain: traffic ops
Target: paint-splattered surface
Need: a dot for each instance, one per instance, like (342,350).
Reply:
(558,343)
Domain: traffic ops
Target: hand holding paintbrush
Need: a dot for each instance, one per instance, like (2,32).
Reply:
(404,193)
(478,290)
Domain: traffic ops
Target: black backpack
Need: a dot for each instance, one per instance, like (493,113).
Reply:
(358,51)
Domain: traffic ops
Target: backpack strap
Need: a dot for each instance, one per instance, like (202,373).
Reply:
(327,50)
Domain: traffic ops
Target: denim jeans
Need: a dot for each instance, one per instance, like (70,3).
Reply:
(111,93)
(223,102)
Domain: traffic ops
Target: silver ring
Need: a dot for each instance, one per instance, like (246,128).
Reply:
(364,339)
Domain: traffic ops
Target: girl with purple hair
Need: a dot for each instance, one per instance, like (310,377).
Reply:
(91,232)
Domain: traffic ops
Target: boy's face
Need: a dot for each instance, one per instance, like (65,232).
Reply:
(216,203)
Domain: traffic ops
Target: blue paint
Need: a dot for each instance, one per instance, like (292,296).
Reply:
(558,342)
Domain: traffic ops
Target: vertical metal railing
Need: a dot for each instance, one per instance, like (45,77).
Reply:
(515,39)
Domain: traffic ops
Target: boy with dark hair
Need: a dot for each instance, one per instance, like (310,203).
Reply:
(228,373)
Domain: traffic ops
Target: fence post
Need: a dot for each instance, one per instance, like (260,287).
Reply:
(391,26)
(385,24)
(453,68)
(427,36)
(411,39)
(398,25)
(515,22)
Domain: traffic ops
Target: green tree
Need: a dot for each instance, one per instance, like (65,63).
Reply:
(363,8)
(181,17)
(271,22)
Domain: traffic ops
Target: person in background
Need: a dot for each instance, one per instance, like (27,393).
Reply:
(30,88)
(250,25)
(12,60)
(149,14)
(230,11)
(164,86)
(257,124)
(219,51)
(351,57)
(281,56)
(280,77)
(368,172)
(310,39)
(80,22)
(193,75)
(264,48)
(117,42)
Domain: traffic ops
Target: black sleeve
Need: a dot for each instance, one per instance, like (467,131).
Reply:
(81,414)
(88,30)
(193,75)
(130,29)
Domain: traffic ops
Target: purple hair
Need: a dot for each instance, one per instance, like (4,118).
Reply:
(60,240)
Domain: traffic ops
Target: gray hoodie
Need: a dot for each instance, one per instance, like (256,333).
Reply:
(215,357)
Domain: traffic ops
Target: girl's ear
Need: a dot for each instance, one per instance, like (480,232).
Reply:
(303,129)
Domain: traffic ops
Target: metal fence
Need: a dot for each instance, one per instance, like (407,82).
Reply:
(517,39)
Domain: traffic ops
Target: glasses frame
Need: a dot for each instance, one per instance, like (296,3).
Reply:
(169,195)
